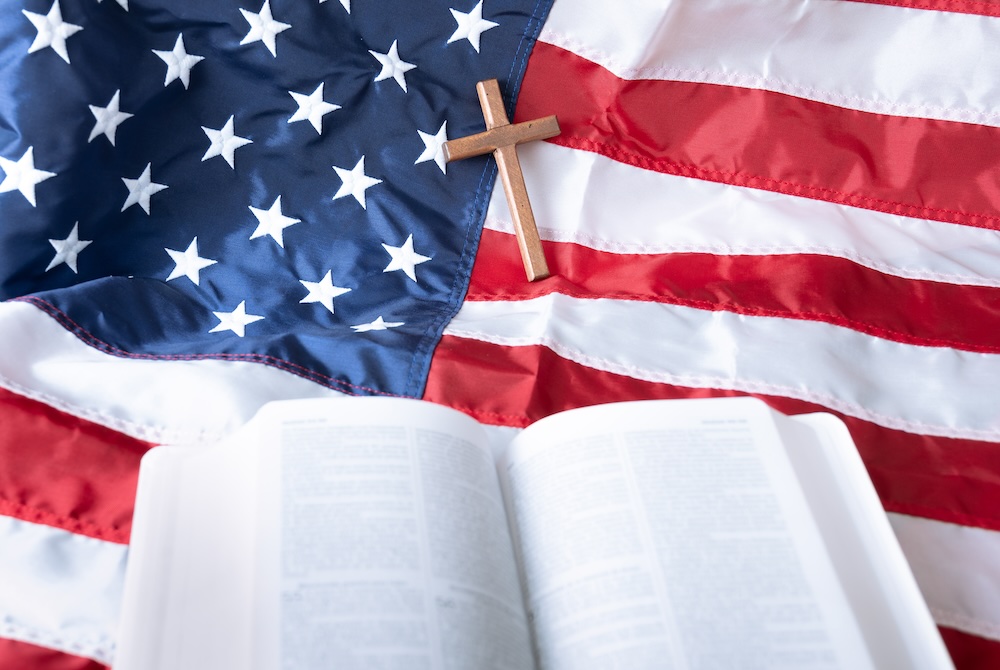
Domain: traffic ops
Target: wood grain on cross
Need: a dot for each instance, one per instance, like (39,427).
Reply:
(500,138)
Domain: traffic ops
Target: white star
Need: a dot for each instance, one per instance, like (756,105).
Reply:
(22,175)
(392,66)
(404,258)
(471,26)
(188,262)
(236,320)
(123,3)
(141,190)
(272,222)
(52,31)
(263,27)
(67,250)
(225,142)
(356,182)
(377,324)
(434,147)
(322,291)
(179,62)
(345,3)
(312,108)
(108,119)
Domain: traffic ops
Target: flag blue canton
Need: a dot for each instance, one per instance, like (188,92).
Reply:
(237,180)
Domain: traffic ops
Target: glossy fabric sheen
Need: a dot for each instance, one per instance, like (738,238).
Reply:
(982,7)
(933,169)
(932,390)
(877,57)
(795,286)
(17,654)
(674,214)
(180,401)
(76,475)
(68,590)
(120,301)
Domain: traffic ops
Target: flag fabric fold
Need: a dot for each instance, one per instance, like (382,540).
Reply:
(208,206)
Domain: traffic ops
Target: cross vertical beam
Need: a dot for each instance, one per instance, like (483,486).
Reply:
(500,139)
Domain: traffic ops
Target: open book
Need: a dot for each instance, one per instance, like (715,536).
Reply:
(385,533)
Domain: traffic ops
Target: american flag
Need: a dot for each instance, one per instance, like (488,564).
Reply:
(208,205)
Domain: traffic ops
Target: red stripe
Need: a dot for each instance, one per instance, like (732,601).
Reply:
(16,655)
(909,166)
(981,7)
(947,479)
(65,472)
(813,287)
(970,652)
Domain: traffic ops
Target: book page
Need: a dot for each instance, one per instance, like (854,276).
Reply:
(673,535)
(383,542)
(877,580)
(189,579)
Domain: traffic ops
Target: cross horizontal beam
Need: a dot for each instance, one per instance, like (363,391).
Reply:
(501,136)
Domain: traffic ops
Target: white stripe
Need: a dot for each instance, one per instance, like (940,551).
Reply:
(958,571)
(874,58)
(927,390)
(159,401)
(60,590)
(610,206)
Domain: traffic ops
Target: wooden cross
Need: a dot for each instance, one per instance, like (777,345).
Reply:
(500,139)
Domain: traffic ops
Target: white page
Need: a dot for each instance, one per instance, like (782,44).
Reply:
(412,566)
(648,547)
(877,580)
(396,552)
(145,594)
(189,576)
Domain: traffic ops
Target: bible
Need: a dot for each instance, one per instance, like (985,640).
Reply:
(390,533)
